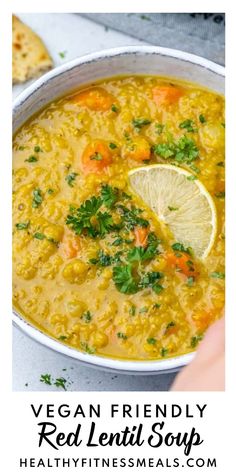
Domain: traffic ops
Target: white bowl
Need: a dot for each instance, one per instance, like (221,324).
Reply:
(118,61)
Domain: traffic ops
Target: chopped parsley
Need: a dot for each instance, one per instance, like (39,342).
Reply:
(53,241)
(112,146)
(87,349)
(21,226)
(50,191)
(97,156)
(220,164)
(181,248)
(103,259)
(37,198)
(70,179)
(131,217)
(46,378)
(62,338)
(156,305)
(165,150)
(39,236)
(37,149)
(183,151)
(192,177)
(164,351)
(190,281)
(138,123)
(118,241)
(62,54)
(170,325)
(217,275)
(220,194)
(151,341)
(122,336)
(31,159)
(132,310)
(42,236)
(86,316)
(144,309)
(186,150)
(171,208)
(159,128)
(60,382)
(114,108)
(202,119)
(151,279)
(195,340)
(188,125)
(195,169)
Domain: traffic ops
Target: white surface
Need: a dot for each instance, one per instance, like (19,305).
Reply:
(31,360)
(75,36)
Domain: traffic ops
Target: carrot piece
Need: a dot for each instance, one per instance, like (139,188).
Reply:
(70,247)
(138,149)
(203,319)
(96,157)
(95,98)
(183,263)
(166,95)
(141,235)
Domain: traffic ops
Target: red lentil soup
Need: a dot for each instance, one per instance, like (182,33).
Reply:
(92,265)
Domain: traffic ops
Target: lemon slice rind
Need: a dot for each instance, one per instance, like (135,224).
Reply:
(181,203)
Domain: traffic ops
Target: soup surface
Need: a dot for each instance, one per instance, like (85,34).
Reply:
(93,265)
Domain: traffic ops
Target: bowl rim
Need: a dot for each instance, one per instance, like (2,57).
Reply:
(115,52)
(124,366)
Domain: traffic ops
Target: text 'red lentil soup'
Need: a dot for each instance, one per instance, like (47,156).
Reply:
(94,267)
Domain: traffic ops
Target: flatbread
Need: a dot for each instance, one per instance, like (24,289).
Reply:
(30,57)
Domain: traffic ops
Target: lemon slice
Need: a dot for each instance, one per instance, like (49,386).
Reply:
(180,202)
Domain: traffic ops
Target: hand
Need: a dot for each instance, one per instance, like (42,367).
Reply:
(207,370)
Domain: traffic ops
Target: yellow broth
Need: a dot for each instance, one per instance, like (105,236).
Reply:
(96,275)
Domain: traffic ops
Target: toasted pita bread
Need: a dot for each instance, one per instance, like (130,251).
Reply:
(30,57)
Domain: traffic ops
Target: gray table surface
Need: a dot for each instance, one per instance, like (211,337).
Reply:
(75,36)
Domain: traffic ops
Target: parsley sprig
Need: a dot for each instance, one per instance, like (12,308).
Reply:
(93,220)
(109,195)
(128,280)
(141,254)
(124,279)
(80,219)
(182,151)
